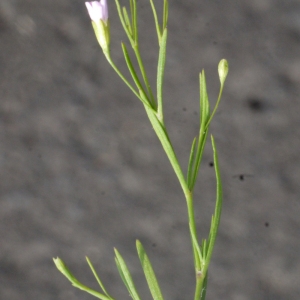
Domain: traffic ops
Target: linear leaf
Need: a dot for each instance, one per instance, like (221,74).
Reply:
(97,278)
(91,291)
(125,275)
(204,102)
(166,13)
(204,248)
(127,20)
(191,162)
(75,282)
(124,23)
(131,12)
(149,273)
(204,116)
(134,75)
(200,148)
(134,21)
(160,73)
(218,208)
(197,248)
(158,30)
(167,145)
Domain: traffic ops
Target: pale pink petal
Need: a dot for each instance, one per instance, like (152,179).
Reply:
(97,10)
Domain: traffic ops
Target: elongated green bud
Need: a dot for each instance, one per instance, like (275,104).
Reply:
(223,70)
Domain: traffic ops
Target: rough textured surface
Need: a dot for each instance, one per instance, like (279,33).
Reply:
(82,172)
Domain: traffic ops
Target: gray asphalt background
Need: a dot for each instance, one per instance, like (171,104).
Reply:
(81,170)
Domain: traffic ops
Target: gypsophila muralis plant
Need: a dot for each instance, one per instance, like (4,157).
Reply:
(153,105)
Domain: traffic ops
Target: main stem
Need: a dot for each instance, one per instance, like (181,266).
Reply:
(162,135)
(193,231)
(161,132)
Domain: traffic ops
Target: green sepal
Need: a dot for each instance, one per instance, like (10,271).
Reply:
(102,32)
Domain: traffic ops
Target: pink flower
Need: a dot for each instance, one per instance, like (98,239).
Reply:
(97,10)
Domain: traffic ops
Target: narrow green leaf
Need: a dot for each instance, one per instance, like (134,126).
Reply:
(67,273)
(91,291)
(131,67)
(191,162)
(204,116)
(158,30)
(165,14)
(126,276)
(97,278)
(134,75)
(204,248)
(134,21)
(124,23)
(149,273)
(218,208)
(131,14)
(144,74)
(127,20)
(160,74)
(204,102)
(200,148)
(167,146)
(122,275)
(60,265)
(198,250)
(124,79)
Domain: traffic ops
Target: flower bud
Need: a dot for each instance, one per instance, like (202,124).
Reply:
(98,11)
(223,70)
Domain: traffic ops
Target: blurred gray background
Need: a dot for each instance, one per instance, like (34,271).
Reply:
(81,170)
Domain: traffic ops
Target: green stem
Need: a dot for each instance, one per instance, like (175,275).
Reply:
(193,228)
(216,106)
(161,133)
(199,287)
(145,101)
(122,76)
